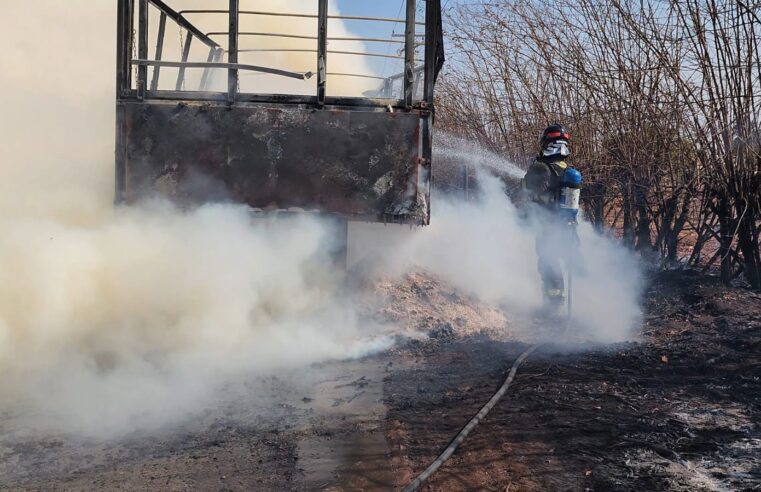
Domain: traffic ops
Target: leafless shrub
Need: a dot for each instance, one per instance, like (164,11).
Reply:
(663,99)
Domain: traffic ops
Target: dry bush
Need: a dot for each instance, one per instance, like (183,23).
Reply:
(663,100)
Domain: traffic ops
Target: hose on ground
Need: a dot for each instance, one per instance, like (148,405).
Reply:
(444,456)
(460,437)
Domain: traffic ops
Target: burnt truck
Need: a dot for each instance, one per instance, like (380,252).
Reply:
(311,109)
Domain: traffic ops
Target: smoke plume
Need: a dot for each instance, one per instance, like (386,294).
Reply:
(115,319)
(485,246)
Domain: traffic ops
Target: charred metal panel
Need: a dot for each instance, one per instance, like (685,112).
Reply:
(363,157)
(359,164)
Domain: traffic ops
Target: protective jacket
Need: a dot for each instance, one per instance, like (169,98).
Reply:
(542,186)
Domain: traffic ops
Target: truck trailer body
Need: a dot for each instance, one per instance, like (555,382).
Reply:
(191,127)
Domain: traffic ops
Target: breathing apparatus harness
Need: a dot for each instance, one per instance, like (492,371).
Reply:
(565,195)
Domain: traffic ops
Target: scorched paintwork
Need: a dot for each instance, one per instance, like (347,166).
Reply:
(359,164)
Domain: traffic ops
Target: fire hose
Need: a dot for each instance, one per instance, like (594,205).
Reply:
(463,434)
(444,456)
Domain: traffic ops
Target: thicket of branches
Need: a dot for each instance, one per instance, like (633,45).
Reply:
(663,99)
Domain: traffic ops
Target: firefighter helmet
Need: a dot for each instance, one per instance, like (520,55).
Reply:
(554,141)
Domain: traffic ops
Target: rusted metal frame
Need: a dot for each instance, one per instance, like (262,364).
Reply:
(360,53)
(396,137)
(215,54)
(303,16)
(142,50)
(264,34)
(184,23)
(247,12)
(360,103)
(357,75)
(120,156)
(322,51)
(330,52)
(185,56)
(159,51)
(372,19)
(431,40)
(300,36)
(229,66)
(367,40)
(121,40)
(124,39)
(232,74)
(409,53)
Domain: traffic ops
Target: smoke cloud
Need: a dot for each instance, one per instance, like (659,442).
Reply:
(486,247)
(143,313)
(116,319)
(113,319)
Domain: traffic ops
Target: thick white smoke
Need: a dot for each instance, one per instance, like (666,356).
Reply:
(139,316)
(116,319)
(486,247)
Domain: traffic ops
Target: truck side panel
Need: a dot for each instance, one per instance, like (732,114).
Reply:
(358,164)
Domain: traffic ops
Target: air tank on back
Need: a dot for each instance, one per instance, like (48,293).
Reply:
(570,194)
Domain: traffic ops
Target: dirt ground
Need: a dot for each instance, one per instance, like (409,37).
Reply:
(678,410)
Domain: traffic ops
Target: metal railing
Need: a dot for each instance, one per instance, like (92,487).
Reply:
(305,16)
(410,75)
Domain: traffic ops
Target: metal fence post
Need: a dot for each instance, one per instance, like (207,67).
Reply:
(431,38)
(123,43)
(322,51)
(142,70)
(409,54)
(124,40)
(232,74)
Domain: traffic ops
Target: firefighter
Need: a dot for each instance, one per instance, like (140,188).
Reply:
(552,188)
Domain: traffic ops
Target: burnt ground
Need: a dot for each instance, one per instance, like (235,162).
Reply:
(678,410)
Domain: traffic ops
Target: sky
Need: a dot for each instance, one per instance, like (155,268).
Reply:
(389,9)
